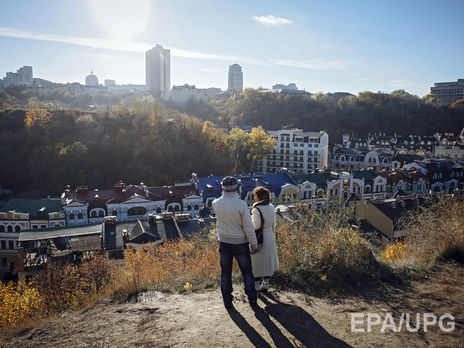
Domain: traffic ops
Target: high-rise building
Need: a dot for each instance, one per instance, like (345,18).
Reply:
(22,77)
(235,78)
(158,71)
(448,92)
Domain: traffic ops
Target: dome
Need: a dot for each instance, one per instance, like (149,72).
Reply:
(91,80)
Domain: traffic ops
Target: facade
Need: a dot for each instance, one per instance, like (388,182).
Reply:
(450,146)
(355,159)
(110,82)
(128,202)
(298,151)
(283,188)
(158,71)
(235,78)
(448,92)
(23,214)
(22,77)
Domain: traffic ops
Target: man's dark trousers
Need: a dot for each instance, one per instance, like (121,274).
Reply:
(241,252)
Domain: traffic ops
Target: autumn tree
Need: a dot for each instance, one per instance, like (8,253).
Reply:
(37,117)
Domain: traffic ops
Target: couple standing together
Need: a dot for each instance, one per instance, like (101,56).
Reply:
(237,238)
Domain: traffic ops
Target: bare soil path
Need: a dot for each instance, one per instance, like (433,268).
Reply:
(284,319)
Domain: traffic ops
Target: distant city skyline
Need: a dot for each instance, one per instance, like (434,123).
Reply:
(320,46)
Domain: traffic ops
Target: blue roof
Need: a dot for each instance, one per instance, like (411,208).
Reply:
(210,186)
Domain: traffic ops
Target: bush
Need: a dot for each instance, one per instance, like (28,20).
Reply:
(322,252)
(177,265)
(18,302)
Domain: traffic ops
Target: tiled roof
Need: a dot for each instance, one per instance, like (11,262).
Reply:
(211,185)
(367,175)
(32,206)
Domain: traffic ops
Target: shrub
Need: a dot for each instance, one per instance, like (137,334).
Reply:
(322,252)
(169,266)
(18,302)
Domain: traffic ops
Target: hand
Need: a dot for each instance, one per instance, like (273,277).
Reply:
(253,251)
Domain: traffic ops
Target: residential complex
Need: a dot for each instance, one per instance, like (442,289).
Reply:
(158,71)
(235,78)
(448,92)
(22,77)
(298,151)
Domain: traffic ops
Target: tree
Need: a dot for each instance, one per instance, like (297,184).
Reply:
(260,145)
(239,144)
(37,117)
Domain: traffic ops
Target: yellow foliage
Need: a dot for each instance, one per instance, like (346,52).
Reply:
(37,117)
(18,302)
(393,252)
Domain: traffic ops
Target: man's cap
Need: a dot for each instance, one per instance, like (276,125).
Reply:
(229,183)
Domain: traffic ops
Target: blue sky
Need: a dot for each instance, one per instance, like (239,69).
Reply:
(325,46)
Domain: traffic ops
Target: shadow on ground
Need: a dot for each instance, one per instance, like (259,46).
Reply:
(299,323)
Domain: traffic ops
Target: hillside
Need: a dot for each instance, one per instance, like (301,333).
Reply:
(284,319)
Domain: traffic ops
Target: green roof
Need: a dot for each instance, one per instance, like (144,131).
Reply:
(32,206)
(56,232)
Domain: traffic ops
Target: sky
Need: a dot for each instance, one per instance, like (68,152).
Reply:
(322,46)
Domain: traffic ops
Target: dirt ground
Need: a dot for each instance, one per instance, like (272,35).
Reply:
(284,319)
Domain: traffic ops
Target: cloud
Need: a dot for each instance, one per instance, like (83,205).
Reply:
(312,65)
(138,47)
(272,20)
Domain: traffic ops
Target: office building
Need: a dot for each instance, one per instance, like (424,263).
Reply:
(158,71)
(235,78)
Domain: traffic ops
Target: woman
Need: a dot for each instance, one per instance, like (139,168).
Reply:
(264,262)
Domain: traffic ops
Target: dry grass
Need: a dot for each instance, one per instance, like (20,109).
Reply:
(433,235)
(178,265)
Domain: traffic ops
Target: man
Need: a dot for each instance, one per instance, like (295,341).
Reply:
(235,232)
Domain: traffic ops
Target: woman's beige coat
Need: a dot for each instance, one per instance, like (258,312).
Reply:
(265,262)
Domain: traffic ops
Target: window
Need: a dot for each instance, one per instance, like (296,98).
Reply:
(80,216)
(43,226)
(137,211)
(196,207)
(189,207)
(4,262)
(101,213)
(158,210)
(9,228)
(2,228)
(17,228)
(93,214)
(10,244)
(114,213)
(3,244)
(71,216)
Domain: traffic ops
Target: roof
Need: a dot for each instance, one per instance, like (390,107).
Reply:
(367,175)
(125,192)
(320,178)
(210,186)
(32,206)
(407,158)
(57,232)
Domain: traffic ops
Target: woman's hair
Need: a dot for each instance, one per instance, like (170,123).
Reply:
(262,193)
